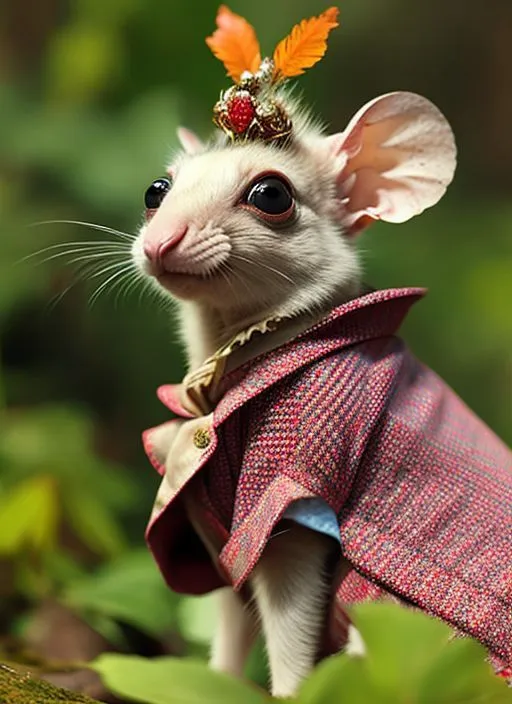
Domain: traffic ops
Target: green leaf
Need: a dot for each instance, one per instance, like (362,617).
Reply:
(172,681)
(197,617)
(28,516)
(129,590)
(256,667)
(411,658)
(59,440)
(461,675)
(117,488)
(93,524)
(45,435)
(111,630)
(62,567)
(343,679)
(82,60)
(401,644)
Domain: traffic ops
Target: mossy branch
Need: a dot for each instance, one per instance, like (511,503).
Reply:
(21,688)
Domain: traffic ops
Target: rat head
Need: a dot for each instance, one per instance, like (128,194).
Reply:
(247,229)
(256,227)
(261,221)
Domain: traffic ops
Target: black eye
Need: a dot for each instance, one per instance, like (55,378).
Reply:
(272,196)
(156,192)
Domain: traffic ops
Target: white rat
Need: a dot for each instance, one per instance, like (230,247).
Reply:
(241,232)
(260,223)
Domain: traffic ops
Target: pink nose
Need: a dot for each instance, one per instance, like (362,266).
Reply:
(156,251)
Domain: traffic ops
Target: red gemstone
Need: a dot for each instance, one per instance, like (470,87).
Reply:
(240,113)
(506,672)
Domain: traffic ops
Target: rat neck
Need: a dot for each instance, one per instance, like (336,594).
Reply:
(200,327)
(205,329)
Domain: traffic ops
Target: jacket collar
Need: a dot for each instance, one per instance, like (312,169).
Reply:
(369,316)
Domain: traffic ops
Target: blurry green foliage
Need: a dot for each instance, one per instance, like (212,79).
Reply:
(172,681)
(51,475)
(28,515)
(90,97)
(128,589)
(197,618)
(410,659)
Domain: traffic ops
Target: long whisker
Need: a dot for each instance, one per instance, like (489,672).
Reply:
(92,225)
(93,270)
(109,268)
(264,266)
(121,285)
(121,275)
(88,257)
(226,270)
(226,278)
(146,288)
(265,296)
(88,246)
(94,253)
(158,295)
(131,282)
(85,273)
(102,286)
(244,282)
(58,298)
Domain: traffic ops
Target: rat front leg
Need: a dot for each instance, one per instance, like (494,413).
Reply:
(292,590)
(236,630)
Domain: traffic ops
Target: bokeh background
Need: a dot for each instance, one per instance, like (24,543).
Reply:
(90,96)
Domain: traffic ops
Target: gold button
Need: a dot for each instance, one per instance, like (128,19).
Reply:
(201,438)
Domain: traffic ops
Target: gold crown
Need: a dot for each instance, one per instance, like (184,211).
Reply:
(251,108)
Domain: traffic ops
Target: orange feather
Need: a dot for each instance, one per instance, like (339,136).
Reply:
(304,46)
(235,43)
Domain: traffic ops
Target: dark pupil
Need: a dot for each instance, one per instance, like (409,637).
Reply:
(271,196)
(156,192)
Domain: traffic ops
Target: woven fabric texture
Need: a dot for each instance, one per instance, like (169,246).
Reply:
(422,489)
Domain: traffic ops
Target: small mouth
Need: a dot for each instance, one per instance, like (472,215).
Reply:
(167,277)
(153,268)
(180,283)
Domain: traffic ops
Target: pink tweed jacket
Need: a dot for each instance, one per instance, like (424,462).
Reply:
(421,488)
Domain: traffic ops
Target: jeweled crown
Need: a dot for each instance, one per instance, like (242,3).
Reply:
(251,109)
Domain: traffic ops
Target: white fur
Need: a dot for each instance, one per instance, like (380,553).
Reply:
(355,645)
(236,630)
(292,589)
(246,270)
(231,269)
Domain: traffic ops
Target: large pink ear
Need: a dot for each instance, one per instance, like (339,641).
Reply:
(190,141)
(396,158)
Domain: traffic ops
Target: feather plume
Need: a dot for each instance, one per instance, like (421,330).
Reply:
(304,46)
(235,43)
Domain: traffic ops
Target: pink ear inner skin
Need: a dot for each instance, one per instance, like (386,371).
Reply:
(189,141)
(400,156)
